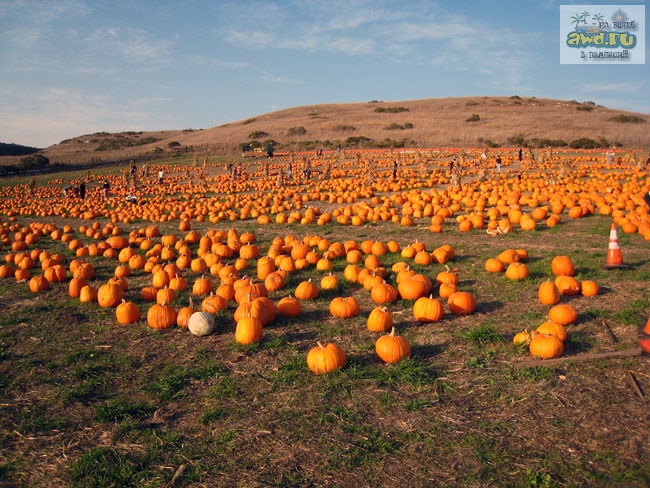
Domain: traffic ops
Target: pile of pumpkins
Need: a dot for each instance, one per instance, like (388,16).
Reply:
(207,254)
(547,340)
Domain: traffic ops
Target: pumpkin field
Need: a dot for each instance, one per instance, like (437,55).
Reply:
(237,325)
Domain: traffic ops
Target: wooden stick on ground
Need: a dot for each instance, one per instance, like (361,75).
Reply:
(635,386)
(637,351)
(612,337)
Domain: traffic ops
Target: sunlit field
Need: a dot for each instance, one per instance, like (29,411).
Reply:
(372,318)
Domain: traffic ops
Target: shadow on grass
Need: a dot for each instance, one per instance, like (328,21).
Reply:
(487,307)
(426,351)
(298,337)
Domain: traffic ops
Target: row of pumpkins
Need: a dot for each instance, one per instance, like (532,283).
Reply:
(547,340)
(254,308)
(252,297)
(498,204)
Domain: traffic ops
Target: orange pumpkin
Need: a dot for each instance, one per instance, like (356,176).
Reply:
(461,303)
(428,309)
(380,319)
(392,348)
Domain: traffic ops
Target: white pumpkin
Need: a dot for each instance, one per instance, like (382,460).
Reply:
(201,324)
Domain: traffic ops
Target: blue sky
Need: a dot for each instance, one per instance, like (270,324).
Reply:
(73,67)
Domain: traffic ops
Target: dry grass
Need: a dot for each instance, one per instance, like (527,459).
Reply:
(436,122)
(88,403)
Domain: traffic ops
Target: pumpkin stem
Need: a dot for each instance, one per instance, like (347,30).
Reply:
(320,345)
(393,332)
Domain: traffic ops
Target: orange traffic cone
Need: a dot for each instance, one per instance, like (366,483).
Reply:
(614,256)
(643,340)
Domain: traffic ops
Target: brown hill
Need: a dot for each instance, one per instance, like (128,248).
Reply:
(451,122)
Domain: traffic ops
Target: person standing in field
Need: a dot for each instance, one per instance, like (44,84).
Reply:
(106,189)
(394,169)
(32,185)
(82,190)
(161,176)
(498,161)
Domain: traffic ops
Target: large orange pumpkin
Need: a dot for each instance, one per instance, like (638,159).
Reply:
(323,359)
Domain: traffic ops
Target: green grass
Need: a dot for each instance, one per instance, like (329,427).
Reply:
(118,409)
(481,335)
(92,403)
(105,466)
(169,383)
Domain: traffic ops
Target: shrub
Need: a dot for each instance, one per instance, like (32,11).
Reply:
(174,144)
(395,126)
(547,142)
(269,143)
(344,128)
(584,143)
(473,118)
(518,140)
(297,131)
(258,134)
(358,141)
(119,141)
(386,143)
(248,121)
(628,119)
(35,161)
(490,143)
(146,140)
(585,108)
(391,110)
(308,145)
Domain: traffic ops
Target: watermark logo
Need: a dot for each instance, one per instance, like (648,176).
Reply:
(602,34)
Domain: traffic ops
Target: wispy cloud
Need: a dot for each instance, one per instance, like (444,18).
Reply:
(248,39)
(283,80)
(424,34)
(22,37)
(136,46)
(622,87)
(41,11)
(217,63)
(333,27)
(54,114)
(147,101)
(549,4)
(625,103)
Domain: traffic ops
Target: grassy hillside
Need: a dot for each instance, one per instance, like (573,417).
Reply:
(467,122)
